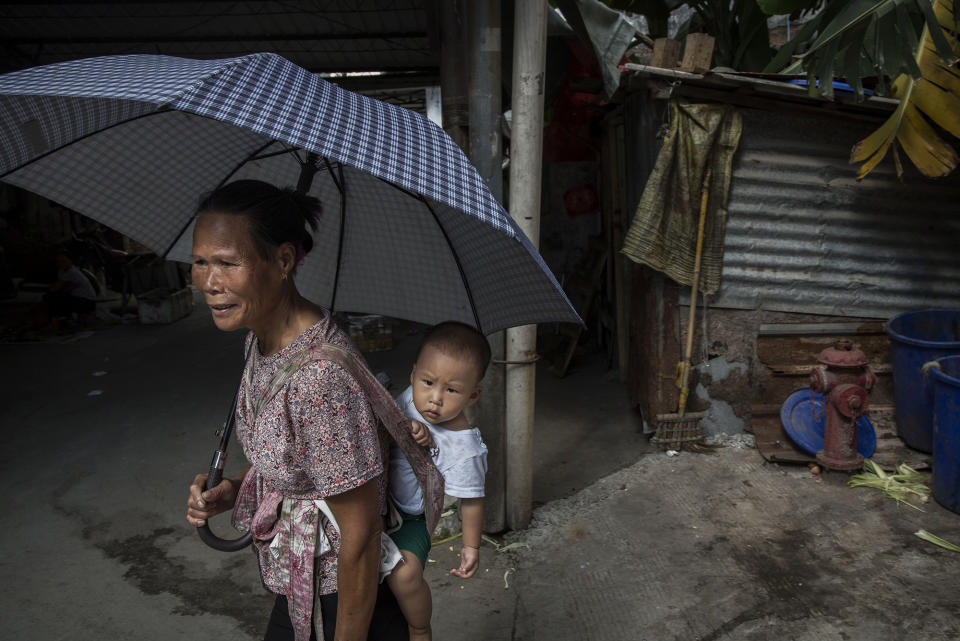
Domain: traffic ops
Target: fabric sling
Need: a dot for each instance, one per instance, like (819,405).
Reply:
(291,562)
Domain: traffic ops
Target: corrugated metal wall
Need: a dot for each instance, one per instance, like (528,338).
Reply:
(804,236)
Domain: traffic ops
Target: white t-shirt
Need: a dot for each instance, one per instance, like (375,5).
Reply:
(460,455)
(83,287)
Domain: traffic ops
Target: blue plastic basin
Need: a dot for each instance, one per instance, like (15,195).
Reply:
(946,432)
(915,339)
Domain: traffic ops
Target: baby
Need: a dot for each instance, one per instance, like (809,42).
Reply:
(444,381)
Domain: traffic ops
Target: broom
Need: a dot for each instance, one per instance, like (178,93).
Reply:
(676,430)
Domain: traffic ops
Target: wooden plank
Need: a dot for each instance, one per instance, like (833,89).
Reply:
(804,350)
(807,329)
(804,370)
(666,53)
(672,72)
(801,105)
(697,53)
(775,389)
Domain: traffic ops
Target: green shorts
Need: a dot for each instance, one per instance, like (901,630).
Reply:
(413,536)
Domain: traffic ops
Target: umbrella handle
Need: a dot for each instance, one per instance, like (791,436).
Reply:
(206,534)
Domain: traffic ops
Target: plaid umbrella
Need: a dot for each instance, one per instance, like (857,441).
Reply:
(409,228)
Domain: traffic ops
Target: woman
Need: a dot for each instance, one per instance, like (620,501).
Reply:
(306,424)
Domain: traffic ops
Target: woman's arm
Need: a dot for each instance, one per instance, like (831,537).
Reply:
(358,515)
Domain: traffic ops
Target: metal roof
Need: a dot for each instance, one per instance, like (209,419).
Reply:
(759,90)
(804,236)
(395,36)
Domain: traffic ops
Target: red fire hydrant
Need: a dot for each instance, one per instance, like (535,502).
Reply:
(844,379)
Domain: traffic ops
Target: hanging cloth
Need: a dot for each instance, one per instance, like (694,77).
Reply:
(663,233)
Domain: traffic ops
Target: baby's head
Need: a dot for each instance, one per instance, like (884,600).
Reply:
(446,376)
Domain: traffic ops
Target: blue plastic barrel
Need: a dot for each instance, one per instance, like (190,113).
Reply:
(946,432)
(917,338)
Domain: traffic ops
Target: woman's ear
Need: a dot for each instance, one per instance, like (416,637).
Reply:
(286,257)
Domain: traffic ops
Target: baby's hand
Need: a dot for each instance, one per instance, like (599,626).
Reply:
(469,562)
(420,433)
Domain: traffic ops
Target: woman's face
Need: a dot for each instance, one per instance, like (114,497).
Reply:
(240,287)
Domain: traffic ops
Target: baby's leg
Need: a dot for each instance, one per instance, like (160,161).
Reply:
(413,595)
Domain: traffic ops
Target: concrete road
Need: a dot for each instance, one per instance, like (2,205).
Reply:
(101,435)
(725,547)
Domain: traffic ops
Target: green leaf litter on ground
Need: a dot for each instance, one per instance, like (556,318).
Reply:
(936,540)
(497,546)
(900,485)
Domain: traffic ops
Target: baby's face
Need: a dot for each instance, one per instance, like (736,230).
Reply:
(443,385)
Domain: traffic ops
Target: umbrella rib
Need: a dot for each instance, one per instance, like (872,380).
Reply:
(219,185)
(162,110)
(341,185)
(456,259)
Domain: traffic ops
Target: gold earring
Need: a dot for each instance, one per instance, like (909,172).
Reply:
(283,275)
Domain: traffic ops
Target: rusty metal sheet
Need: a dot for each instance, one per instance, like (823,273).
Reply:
(804,235)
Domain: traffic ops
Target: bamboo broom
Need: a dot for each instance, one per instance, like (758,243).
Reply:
(675,430)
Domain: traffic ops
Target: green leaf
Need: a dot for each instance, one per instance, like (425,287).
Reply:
(786,51)
(825,72)
(936,540)
(944,49)
(753,51)
(853,13)
(850,65)
(908,43)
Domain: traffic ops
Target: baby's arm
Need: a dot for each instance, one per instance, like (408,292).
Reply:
(420,433)
(471,523)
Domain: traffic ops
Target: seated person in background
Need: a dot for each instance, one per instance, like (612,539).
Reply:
(444,381)
(71,295)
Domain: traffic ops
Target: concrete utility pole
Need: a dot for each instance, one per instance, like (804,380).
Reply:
(526,164)
(486,155)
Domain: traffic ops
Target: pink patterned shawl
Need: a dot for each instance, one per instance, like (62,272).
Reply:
(289,568)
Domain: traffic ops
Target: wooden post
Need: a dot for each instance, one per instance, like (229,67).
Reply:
(697,53)
(486,155)
(526,166)
(666,53)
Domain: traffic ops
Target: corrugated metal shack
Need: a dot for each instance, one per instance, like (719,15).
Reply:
(810,255)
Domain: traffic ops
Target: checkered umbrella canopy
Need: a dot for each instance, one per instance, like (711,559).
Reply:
(409,229)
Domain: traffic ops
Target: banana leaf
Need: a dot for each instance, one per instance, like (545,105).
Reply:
(934,96)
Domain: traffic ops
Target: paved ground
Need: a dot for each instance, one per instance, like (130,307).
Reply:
(102,434)
(726,547)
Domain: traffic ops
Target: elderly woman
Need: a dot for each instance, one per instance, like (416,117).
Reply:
(310,421)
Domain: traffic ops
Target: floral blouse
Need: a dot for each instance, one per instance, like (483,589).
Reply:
(317,436)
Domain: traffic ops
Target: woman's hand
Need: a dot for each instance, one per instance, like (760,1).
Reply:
(203,504)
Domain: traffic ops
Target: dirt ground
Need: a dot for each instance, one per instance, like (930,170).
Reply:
(103,430)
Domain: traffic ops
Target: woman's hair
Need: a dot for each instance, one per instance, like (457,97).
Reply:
(274,215)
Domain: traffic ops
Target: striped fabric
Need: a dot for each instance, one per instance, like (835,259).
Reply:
(135,141)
